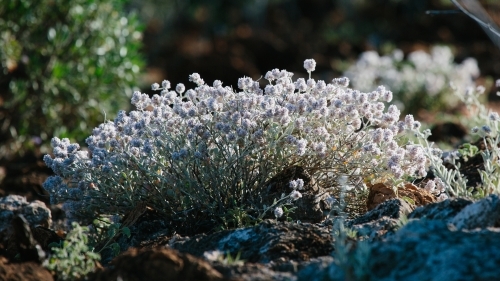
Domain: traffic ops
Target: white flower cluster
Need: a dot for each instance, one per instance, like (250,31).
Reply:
(438,188)
(422,76)
(184,150)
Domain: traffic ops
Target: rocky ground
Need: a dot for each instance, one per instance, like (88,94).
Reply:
(456,239)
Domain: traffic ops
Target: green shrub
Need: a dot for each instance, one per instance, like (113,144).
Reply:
(63,64)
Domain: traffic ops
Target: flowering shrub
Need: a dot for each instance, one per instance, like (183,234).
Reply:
(201,154)
(422,80)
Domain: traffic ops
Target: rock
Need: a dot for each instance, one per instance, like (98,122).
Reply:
(482,214)
(444,210)
(395,241)
(268,241)
(28,271)
(431,250)
(271,250)
(36,213)
(158,264)
(19,243)
(253,272)
(455,239)
(323,271)
(377,222)
(24,232)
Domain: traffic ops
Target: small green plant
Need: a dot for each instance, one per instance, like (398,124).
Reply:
(104,234)
(448,182)
(73,258)
(237,217)
(468,150)
(486,127)
(226,259)
(402,221)
(230,260)
(490,177)
(351,253)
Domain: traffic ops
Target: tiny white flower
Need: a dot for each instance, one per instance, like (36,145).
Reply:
(214,255)
(310,65)
(442,197)
(300,184)
(278,212)
(165,84)
(180,88)
(480,89)
(295,195)
(430,186)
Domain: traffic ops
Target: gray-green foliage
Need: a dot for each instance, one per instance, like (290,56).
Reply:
(63,63)
(485,124)
(74,258)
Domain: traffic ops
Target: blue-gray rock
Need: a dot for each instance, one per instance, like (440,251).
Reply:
(36,212)
(455,239)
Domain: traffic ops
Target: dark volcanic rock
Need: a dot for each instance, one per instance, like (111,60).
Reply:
(158,264)
(432,250)
(436,239)
(263,243)
(444,210)
(145,225)
(253,272)
(455,239)
(24,228)
(451,240)
(380,220)
(36,213)
(19,242)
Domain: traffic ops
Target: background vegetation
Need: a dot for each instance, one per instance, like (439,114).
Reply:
(64,66)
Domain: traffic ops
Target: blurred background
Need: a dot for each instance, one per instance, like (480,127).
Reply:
(67,66)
